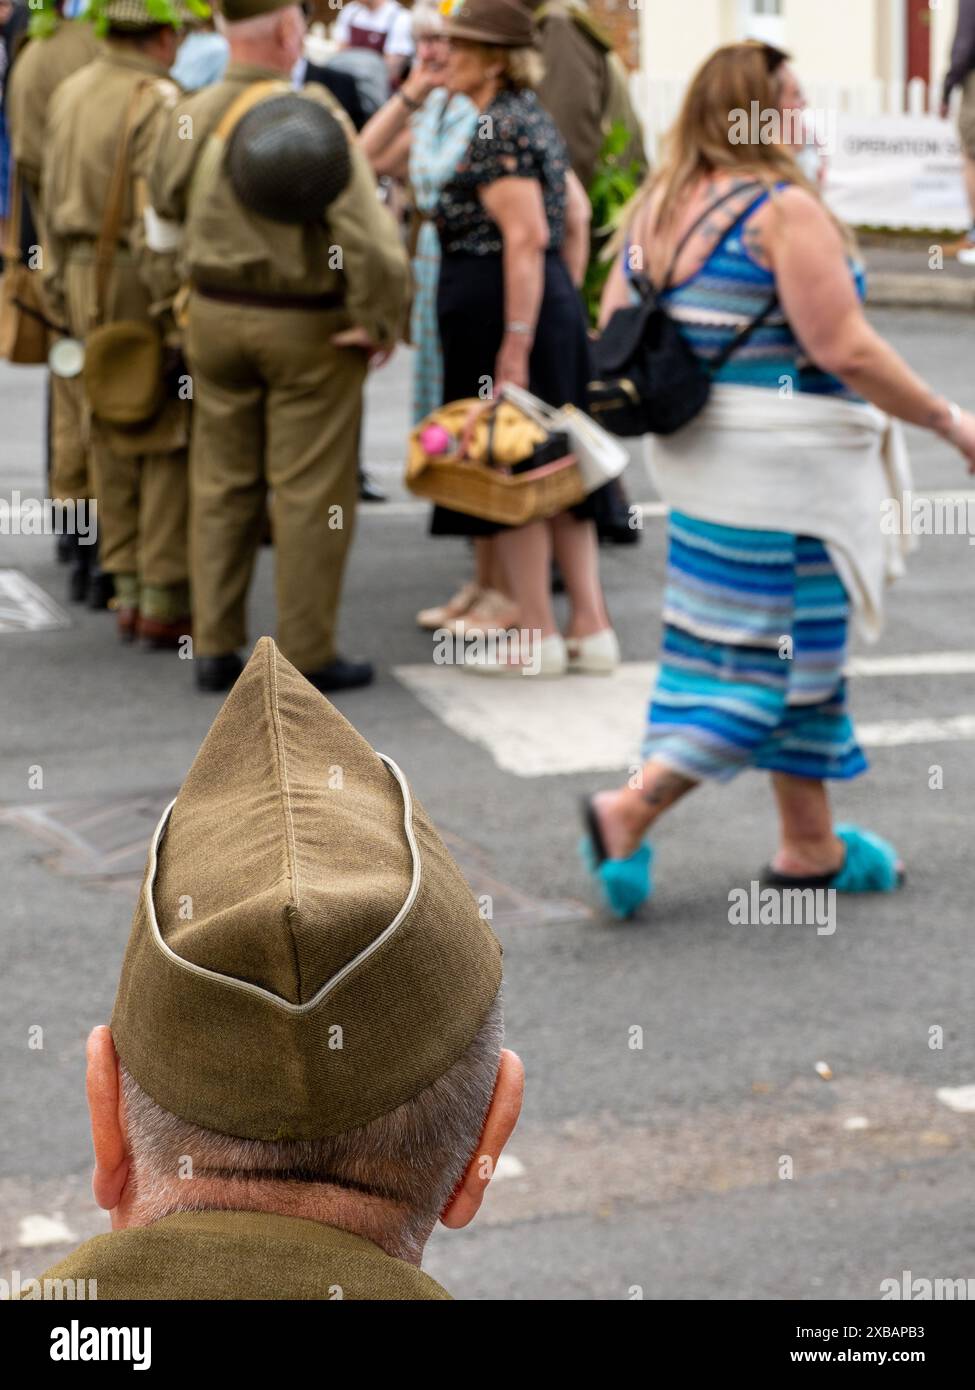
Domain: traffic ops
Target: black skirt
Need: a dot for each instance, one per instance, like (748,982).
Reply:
(470,309)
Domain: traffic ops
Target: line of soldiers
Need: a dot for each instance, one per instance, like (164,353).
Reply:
(226,342)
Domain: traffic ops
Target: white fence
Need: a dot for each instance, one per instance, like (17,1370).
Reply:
(657,99)
(888,158)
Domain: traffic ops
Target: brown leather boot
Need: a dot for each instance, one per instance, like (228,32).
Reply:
(126,620)
(160,635)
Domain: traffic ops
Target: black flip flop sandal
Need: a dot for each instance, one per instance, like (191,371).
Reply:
(591,822)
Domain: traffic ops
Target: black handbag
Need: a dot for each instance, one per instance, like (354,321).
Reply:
(647,379)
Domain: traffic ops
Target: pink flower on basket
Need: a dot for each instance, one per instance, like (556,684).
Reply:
(435,440)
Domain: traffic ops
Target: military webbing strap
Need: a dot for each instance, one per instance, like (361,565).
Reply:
(208,164)
(107,244)
(13,254)
(11,246)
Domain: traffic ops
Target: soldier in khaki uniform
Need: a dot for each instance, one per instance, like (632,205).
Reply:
(42,64)
(140,471)
(282,320)
(304,1071)
(585,88)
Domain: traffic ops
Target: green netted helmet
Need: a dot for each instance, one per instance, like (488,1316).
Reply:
(135,15)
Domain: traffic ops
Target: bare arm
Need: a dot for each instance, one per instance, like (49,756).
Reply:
(820,302)
(616,293)
(389,154)
(386,137)
(515,204)
(578,215)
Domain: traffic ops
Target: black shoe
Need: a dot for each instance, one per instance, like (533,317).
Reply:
(368,491)
(613,517)
(612,534)
(101,589)
(340,675)
(78,581)
(217,673)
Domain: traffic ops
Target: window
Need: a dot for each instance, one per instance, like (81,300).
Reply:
(763,19)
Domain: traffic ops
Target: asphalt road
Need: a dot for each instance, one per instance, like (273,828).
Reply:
(653,1171)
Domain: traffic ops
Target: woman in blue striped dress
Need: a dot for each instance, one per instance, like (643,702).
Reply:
(755,621)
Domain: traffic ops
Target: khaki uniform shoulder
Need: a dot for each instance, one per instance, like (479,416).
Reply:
(167,91)
(316,92)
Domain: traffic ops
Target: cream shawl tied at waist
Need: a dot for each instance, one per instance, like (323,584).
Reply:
(813,465)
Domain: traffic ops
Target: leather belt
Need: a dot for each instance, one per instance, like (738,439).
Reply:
(252,299)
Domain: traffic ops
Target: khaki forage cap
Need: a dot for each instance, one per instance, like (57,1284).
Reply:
(295,888)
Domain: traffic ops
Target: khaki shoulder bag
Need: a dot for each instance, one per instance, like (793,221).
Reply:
(123,371)
(23,325)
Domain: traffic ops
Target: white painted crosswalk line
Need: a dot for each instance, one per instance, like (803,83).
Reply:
(960,1098)
(918,664)
(649,507)
(891,733)
(37,1230)
(25,607)
(536,728)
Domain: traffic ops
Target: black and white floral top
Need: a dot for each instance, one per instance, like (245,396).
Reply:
(515,138)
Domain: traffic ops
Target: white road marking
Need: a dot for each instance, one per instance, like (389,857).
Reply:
(37,1230)
(25,607)
(914,664)
(892,733)
(534,728)
(508,1166)
(648,506)
(961,1098)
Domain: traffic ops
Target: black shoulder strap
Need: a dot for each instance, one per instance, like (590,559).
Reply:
(699,221)
(741,337)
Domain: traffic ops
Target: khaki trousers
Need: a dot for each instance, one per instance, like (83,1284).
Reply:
(139,481)
(69,458)
(275,407)
(143,513)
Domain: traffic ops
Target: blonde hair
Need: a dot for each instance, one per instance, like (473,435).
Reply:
(737,78)
(523,67)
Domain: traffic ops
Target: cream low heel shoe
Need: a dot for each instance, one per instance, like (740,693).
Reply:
(430,619)
(597,655)
(549,659)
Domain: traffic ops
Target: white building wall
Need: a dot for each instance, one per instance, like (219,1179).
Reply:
(943,19)
(833,39)
(844,41)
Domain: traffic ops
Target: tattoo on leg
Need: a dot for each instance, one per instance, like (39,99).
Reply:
(666,789)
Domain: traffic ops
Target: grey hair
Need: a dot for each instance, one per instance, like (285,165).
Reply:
(411,1160)
(427,21)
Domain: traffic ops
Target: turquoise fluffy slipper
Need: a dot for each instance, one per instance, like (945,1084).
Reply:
(869,866)
(624,884)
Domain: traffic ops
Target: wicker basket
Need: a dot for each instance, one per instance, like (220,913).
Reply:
(478,479)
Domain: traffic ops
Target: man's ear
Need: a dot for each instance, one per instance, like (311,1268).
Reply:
(509,1088)
(107,1135)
